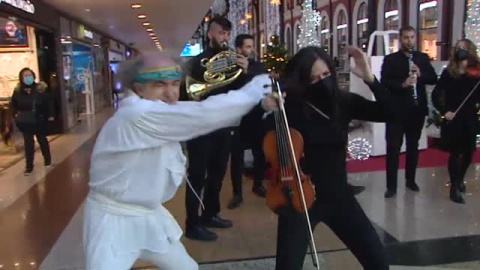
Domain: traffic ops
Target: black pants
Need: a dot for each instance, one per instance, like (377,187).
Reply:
(458,164)
(394,137)
(30,147)
(208,160)
(237,162)
(346,219)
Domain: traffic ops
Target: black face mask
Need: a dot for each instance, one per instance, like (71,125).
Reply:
(461,55)
(321,91)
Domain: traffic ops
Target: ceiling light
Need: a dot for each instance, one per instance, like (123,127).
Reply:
(151,34)
(146,24)
(149,29)
(136,6)
(87,10)
(142,16)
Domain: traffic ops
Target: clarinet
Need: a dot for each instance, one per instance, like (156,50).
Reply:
(412,74)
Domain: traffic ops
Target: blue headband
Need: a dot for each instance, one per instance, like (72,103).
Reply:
(160,74)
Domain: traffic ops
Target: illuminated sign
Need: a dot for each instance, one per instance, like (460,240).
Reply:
(24,5)
(88,33)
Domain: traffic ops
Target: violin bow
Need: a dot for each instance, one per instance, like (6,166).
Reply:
(313,248)
(466,99)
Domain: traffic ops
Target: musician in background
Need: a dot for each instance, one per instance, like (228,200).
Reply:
(459,133)
(405,74)
(208,155)
(321,112)
(249,135)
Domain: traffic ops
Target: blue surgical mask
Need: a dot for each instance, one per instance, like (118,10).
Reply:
(29,80)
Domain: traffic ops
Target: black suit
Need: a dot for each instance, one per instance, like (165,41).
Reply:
(208,154)
(248,135)
(395,71)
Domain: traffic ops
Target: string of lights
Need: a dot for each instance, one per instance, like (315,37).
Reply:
(308,28)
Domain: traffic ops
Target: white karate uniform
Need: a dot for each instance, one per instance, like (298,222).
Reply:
(137,165)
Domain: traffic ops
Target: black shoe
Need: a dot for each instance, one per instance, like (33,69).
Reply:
(200,234)
(413,186)
(260,191)
(463,188)
(456,195)
(356,189)
(27,172)
(390,194)
(235,202)
(216,222)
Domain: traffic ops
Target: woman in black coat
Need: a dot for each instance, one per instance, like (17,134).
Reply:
(31,107)
(460,130)
(321,113)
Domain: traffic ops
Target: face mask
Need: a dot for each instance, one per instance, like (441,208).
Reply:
(28,80)
(321,90)
(461,55)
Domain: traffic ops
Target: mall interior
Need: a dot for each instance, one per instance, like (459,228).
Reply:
(76,49)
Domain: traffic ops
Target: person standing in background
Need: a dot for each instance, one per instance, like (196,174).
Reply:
(406,73)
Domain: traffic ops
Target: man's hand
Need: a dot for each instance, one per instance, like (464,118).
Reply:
(416,70)
(449,116)
(242,62)
(409,82)
(270,102)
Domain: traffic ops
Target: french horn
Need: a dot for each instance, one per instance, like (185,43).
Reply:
(221,70)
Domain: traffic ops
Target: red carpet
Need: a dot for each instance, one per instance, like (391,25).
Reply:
(429,158)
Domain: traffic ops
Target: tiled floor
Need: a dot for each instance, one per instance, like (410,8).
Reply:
(41,219)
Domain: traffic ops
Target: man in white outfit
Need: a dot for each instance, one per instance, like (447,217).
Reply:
(137,164)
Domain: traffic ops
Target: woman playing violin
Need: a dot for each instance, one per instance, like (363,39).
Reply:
(460,131)
(321,112)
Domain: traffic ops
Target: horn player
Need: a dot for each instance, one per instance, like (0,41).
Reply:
(208,155)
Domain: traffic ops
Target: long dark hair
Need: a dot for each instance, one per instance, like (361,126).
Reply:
(20,78)
(296,76)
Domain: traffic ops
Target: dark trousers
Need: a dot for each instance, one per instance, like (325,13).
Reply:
(237,162)
(394,137)
(458,164)
(208,160)
(346,219)
(30,147)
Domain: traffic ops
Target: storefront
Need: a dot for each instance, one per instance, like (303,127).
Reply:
(85,71)
(27,39)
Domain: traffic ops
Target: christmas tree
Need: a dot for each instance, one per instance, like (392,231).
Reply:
(308,28)
(276,57)
(472,23)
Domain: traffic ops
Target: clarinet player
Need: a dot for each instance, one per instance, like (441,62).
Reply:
(406,73)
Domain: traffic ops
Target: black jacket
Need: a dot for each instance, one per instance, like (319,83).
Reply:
(325,141)
(21,101)
(395,71)
(460,133)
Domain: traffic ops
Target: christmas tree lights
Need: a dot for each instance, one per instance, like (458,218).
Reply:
(308,28)
(472,23)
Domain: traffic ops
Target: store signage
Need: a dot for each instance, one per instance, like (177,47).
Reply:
(24,5)
(88,34)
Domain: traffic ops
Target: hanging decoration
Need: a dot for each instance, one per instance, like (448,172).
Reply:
(308,28)
(472,23)
(219,7)
(237,13)
(272,20)
(359,149)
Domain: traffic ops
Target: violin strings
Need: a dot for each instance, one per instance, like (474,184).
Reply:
(279,143)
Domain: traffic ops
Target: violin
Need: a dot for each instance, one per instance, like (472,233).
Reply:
(474,71)
(290,190)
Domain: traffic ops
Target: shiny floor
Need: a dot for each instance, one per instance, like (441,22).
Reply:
(41,218)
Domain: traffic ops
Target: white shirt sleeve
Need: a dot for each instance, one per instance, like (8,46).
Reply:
(189,119)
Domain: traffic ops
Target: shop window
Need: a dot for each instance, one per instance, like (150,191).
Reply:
(392,22)
(325,33)
(362,26)
(427,27)
(342,32)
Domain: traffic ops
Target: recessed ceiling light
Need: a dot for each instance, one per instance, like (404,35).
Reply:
(87,10)
(151,34)
(136,6)
(149,29)
(142,16)
(146,24)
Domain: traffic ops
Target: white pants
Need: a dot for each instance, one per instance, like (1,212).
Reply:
(175,259)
